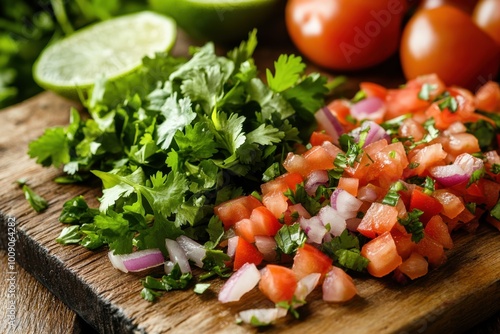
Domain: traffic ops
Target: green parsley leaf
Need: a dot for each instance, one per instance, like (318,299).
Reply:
(76,211)
(70,235)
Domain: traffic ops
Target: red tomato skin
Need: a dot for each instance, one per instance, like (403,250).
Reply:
(246,252)
(432,250)
(236,209)
(487,16)
(404,244)
(428,204)
(434,41)
(282,183)
(318,158)
(308,260)
(345,34)
(382,254)
(278,283)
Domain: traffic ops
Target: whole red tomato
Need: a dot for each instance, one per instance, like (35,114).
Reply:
(445,41)
(465,5)
(487,16)
(345,34)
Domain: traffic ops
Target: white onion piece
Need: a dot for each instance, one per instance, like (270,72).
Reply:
(306,285)
(267,246)
(231,246)
(193,250)
(314,180)
(330,217)
(449,175)
(242,281)
(329,123)
(346,204)
(137,261)
(177,255)
(372,108)
(313,228)
(263,315)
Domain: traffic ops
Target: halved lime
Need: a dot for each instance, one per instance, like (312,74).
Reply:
(109,49)
(218,20)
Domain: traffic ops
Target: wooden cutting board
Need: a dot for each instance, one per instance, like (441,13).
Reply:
(453,298)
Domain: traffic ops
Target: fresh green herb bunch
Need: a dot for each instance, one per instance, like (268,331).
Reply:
(174,139)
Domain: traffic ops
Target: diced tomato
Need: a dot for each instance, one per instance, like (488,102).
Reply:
(236,209)
(402,239)
(278,283)
(492,189)
(451,203)
(318,158)
(372,89)
(261,222)
(349,184)
(276,202)
(410,128)
(493,222)
(282,183)
(294,212)
(424,158)
(488,97)
(341,109)
(403,101)
(338,286)
(378,219)
(318,137)
(414,266)
(432,250)
(382,254)
(428,204)
(245,252)
(437,229)
(332,149)
(308,260)
(295,163)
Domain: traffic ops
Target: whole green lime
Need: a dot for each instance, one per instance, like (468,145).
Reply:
(217,20)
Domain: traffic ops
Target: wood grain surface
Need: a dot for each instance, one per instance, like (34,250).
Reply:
(455,298)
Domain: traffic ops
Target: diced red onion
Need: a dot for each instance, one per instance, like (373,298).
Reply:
(469,163)
(372,108)
(137,261)
(330,217)
(375,133)
(168,266)
(231,246)
(329,122)
(314,229)
(267,246)
(263,315)
(193,250)
(177,255)
(242,281)
(346,204)
(449,175)
(314,180)
(306,285)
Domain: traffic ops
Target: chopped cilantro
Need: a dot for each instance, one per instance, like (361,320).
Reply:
(495,168)
(200,288)
(476,175)
(425,91)
(448,102)
(289,238)
(345,250)
(175,280)
(413,225)
(392,196)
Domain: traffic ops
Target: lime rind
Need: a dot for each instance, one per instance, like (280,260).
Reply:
(110,49)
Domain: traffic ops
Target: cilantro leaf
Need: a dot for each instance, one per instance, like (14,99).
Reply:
(413,224)
(51,148)
(288,69)
(76,211)
(37,202)
(345,250)
(289,238)
(177,115)
(70,235)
